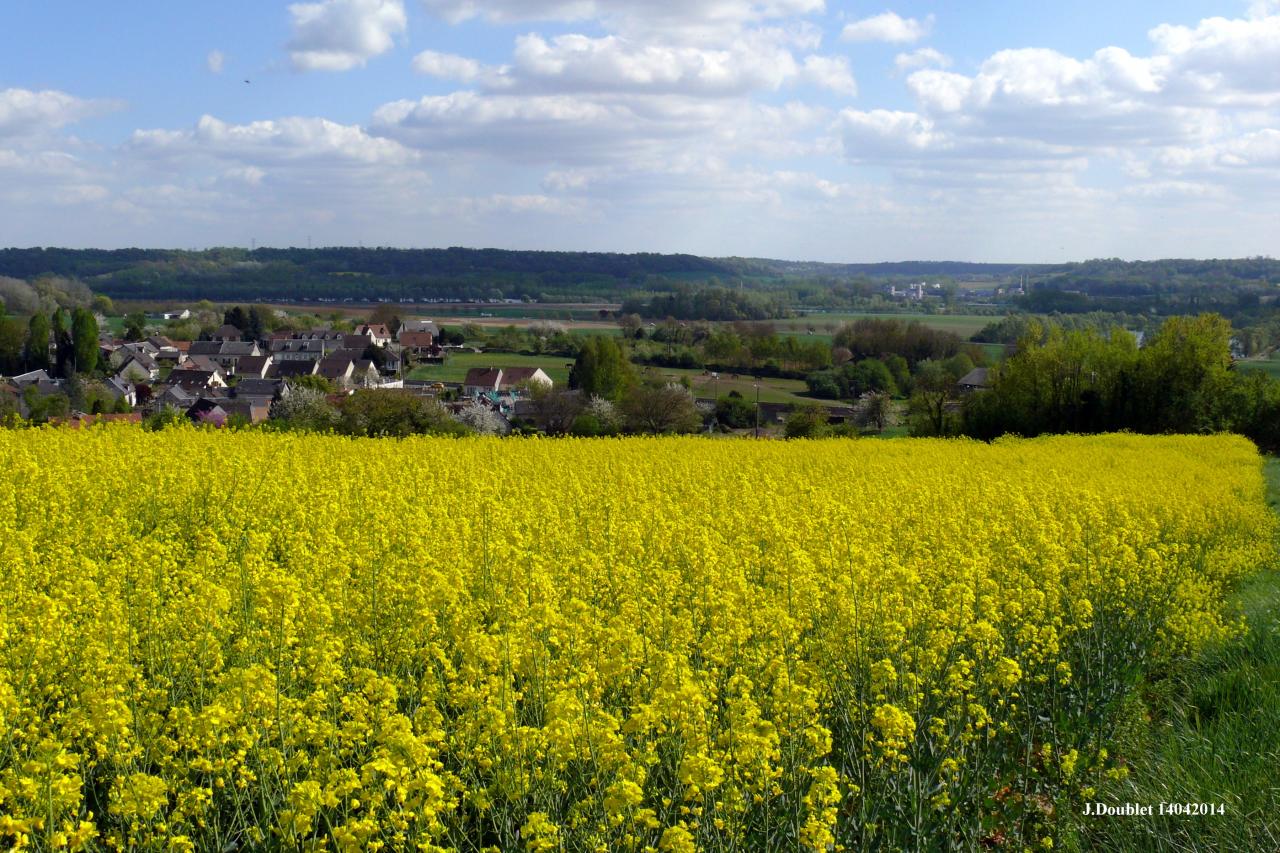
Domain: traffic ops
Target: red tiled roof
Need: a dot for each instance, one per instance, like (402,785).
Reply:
(416,339)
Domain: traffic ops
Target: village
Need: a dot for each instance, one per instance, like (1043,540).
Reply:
(233,377)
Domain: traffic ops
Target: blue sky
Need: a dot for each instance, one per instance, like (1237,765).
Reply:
(785,128)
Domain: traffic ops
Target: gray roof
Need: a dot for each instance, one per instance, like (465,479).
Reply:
(253,364)
(30,377)
(420,326)
(287,369)
(976,378)
(295,345)
(144,360)
(179,395)
(190,378)
(239,348)
(257,387)
(141,346)
(335,366)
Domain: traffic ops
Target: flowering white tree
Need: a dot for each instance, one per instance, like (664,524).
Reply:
(480,418)
(605,413)
(306,408)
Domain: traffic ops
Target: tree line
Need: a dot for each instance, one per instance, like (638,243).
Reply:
(1182,380)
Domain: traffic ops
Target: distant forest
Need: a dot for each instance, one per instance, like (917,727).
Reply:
(655,285)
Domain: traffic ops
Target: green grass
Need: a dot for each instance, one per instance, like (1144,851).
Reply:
(557,367)
(455,368)
(771,390)
(1270,366)
(963,325)
(1209,732)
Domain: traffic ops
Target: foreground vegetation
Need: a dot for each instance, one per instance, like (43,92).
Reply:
(284,641)
(1207,729)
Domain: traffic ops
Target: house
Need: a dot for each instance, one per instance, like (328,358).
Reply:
(336,368)
(378,332)
(417,343)
(228,332)
(364,374)
(290,369)
(226,353)
(217,410)
(253,366)
(514,378)
(199,362)
(259,392)
(255,412)
(391,361)
(482,380)
(302,349)
(174,397)
(358,342)
(196,380)
(318,335)
(30,378)
(145,347)
(170,355)
(138,366)
(122,389)
(207,411)
(978,379)
(417,326)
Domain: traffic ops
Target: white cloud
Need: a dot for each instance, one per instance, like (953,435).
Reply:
(276,142)
(215,61)
(830,72)
(25,112)
(581,63)
(1223,58)
(747,62)
(921,58)
(699,19)
(881,134)
(557,128)
(889,27)
(337,35)
(448,66)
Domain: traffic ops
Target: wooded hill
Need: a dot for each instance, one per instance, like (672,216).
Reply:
(1238,287)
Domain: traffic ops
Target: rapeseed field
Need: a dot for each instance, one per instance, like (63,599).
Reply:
(222,640)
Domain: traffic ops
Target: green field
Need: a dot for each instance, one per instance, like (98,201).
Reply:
(1270,365)
(704,385)
(456,366)
(963,325)
(557,367)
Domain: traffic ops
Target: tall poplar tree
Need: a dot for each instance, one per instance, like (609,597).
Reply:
(38,342)
(84,340)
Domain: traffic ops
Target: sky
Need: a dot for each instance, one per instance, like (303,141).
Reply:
(795,129)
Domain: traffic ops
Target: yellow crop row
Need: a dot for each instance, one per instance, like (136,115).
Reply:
(231,640)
